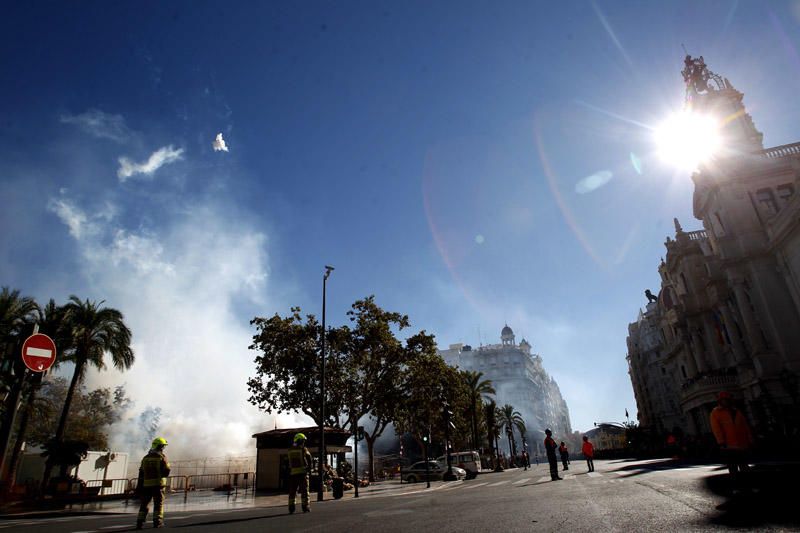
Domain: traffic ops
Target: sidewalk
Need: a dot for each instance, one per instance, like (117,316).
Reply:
(210,500)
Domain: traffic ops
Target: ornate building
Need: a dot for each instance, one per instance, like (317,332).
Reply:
(519,379)
(728,313)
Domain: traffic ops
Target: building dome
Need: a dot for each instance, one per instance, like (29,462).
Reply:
(507,336)
(506,331)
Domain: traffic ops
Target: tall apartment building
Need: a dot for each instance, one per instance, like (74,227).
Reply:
(727,316)
(519,379)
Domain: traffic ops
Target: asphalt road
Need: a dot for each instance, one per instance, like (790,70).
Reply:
(619,496)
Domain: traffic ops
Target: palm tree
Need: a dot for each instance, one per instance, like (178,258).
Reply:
(477,389)
(492,427)
(510,419)
(94,330)
(16,312)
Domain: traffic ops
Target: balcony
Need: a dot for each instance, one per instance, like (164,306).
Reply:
(709,384)
(781,151)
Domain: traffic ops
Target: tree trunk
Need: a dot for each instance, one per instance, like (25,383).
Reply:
(62,422)
(12,406)
(13,462)
(370,452)
(474,425)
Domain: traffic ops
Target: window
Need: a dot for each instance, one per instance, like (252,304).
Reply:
(684,283)
(785,192)
(766,198)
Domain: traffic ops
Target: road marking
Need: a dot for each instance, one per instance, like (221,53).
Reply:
(594,474)
(476,485)
(453,486)
(114,527)
(498,483)
(543,479)
(567,477)
(521,481)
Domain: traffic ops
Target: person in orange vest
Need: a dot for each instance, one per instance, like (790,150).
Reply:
(564,455)
(732,433)
(550,447)
(588,453)
(153,474)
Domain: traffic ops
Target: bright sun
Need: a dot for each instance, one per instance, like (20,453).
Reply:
(686,140)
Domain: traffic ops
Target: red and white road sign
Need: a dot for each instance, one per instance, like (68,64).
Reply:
(39,352)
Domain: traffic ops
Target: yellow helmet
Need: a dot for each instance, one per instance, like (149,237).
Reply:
(300,438)
(158,441)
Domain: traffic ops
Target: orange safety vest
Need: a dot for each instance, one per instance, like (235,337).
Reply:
(730,428)
(588,449)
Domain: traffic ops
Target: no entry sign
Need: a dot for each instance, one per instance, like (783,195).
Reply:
(39,352)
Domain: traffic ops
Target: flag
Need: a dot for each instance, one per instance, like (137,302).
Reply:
(626,413)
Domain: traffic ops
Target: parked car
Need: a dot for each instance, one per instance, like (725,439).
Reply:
(434,471)
(469,461)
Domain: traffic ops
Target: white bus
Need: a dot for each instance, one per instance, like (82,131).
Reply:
(469,461)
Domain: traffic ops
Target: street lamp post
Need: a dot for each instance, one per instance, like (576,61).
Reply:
(328,270)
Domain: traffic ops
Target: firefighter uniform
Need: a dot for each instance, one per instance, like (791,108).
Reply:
(550,447)
(299,467)
(152,481)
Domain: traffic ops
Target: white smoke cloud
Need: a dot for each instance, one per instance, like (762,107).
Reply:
(219,144)
(181,289)
(100,124)
(159,158)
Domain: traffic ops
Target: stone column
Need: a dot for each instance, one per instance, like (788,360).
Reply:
(739,352)
(749,318)
(712,342)
(697,349)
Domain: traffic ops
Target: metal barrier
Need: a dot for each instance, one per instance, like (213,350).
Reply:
(227,483)
(107,487)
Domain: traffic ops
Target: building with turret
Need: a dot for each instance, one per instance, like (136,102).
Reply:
(727,316)
(520,380)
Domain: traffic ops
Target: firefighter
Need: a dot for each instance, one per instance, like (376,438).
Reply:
(564,455)
(299,467)
(153,474)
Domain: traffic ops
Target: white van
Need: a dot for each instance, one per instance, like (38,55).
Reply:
(469,461)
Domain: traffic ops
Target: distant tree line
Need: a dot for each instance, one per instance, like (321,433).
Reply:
(374,379)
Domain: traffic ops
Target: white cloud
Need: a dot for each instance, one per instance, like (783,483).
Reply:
(219,144)
(159,158)
(100,124)
(72,216)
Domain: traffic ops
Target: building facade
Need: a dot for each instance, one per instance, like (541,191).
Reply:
(519,379)
(727,316)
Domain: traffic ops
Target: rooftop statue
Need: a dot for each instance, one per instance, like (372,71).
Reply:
(697,76)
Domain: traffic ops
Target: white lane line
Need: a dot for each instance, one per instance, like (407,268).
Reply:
(453,487)
(521,481)
(498,483)
(115,527)
(476,485)
(594,474)
(543,479)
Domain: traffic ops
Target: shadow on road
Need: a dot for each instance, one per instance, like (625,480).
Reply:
(230,520)
(766,495)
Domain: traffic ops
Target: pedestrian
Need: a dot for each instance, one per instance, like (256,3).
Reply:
(153,474)
(525,461)
(299,466)
(732,434)
(588,453)
(564,455)
(550,448)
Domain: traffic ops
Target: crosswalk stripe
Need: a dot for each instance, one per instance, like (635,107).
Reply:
(453,486)
(567,477)
(476,485)
(498,483)
(521,481)
(594,474)
(543,479)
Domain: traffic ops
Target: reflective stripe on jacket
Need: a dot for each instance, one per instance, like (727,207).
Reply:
(297,461)
(154,470)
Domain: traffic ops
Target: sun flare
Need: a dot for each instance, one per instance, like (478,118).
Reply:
(686,140)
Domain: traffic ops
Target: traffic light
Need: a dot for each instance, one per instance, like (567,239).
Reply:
(425,439)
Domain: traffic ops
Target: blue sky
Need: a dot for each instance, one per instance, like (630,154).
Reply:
(469,163)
